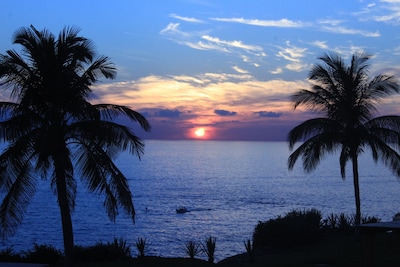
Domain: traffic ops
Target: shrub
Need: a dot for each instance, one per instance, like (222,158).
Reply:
(249,249)
(209,248)
(295,228)
(43,254)
(192,249)
(119,249)
(369,219)
(110,251)
(141,246)
(8,255)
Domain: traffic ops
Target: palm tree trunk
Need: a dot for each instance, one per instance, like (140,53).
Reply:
(66,220)
(356,190)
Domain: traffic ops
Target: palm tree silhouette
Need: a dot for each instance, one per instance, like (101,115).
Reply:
(348,98)
(52,131)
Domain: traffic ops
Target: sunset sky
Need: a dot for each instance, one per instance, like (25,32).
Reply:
(226,66)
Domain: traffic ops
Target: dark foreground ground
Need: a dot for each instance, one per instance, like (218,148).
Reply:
(338,250)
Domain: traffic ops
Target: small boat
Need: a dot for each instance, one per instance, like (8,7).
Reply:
(181,210)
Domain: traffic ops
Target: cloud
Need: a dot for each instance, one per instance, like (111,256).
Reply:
(201,41)
(269,114)
(291,52)
(294,55)
(185,96)
(222,112)
(320,44)
(282,23)
(168,113)
(171,27)
(385,11)
(344,30)
(278,70)
(296,66)
(186,19)
(204,46)
(237,69)
(235,44)
(332,22)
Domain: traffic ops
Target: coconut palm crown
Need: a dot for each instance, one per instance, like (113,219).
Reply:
(348,98)
(52,131)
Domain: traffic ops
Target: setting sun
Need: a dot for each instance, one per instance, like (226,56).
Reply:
(199,132)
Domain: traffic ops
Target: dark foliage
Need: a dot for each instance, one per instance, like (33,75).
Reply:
(110,251)
(8,255)
(43,254)
(295,228)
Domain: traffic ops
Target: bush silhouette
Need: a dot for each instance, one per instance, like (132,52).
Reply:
(295,228)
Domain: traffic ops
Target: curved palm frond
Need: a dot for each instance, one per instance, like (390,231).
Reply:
(313,150)
(311,128)
(111,112)
(16,201)
(101,65)
(386,154)
(101,175)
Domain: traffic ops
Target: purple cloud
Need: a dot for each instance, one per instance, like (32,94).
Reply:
(269,114)
(222,112)
(168,113)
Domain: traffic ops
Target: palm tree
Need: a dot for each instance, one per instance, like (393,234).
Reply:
(52,131)
(348,98)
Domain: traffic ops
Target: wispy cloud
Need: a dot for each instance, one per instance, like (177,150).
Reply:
(335,26)
(239,70)
(235,43)
(282,23)
(344,30)
(392,8)
(172,28)
(249,53)
(186,19)
(332,22)
(294,55)
(320,44)
(291,52)
(386,11)
(204,46)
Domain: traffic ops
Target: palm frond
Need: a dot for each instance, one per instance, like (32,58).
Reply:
(312,128)
(386,154)
(111,136)
(111,112)
(17,199)
(101,175)
(101,65)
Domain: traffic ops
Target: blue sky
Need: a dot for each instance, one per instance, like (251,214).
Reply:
(228,66)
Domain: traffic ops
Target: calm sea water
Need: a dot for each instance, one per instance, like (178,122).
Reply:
(228,188)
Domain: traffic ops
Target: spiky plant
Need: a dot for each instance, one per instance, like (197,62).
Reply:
(192,249)
(208,248)
(141,245)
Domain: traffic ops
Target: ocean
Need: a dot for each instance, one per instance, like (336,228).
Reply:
(227,187)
